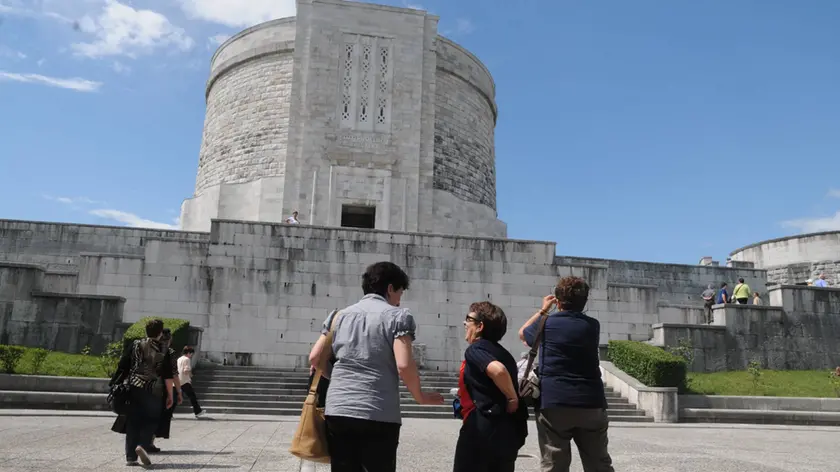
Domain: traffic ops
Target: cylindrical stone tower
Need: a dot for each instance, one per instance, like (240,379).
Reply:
(794,259)
(246,128)
(354,115)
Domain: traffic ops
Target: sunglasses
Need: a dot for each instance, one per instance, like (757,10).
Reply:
(470,319)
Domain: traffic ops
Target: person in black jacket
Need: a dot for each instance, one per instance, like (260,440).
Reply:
(149,378)
(495,420)
(170,362)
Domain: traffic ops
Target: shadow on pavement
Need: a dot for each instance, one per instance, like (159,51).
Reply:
(189,453)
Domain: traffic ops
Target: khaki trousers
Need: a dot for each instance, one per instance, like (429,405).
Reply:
(558,427)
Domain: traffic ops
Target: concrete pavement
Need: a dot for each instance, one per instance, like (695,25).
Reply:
(68,442)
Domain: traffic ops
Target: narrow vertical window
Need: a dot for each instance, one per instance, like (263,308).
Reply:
(364,76)
(347,84)
(382,102)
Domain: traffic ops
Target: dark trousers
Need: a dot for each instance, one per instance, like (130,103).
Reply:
(190,393)
(165,421)
(743,301)
(142,420)
(587,427)
(477,452)
(707,311)
(362,445)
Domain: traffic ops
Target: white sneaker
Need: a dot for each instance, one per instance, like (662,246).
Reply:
(143,456)
(200,414)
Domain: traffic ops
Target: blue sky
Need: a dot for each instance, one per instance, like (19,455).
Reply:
(646,130)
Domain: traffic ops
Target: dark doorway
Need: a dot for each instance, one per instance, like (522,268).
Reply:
(357,216)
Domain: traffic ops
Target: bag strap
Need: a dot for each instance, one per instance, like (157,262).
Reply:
(313,388)
(533,353)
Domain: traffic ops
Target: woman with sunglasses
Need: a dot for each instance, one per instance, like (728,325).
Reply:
(495,421)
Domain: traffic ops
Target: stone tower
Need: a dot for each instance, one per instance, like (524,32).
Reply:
(353,114)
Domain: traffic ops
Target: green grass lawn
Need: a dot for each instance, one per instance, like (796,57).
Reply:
(62,364)
(771,383)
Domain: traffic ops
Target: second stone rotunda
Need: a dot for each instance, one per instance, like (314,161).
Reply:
(354,115)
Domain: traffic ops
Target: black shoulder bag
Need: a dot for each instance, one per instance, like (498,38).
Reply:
(119,390)
(529,388)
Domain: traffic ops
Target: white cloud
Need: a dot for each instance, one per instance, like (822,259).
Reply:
(121,68)
(6,51)
(74,200)
(41,62)
(464,26)
(130,219)
(413,6)
(77,84)
(815,225)
(238,13)
(218,39)
(834,193)
(19,9)
(122,30)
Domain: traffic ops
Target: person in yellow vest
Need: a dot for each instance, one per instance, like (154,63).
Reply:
(742,292)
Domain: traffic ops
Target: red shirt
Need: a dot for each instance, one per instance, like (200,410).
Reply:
(467,405)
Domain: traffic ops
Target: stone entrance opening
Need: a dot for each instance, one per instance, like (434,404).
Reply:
(358,216)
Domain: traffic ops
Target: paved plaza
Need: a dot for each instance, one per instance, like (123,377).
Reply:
(85,443)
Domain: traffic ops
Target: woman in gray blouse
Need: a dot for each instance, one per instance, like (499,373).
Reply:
(372,348)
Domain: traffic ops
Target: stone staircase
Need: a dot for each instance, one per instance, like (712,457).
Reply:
(270,391)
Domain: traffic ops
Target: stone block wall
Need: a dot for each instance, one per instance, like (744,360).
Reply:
(798,330)
(274,285)
(707,343)
(65,322)
(260,290)
(641,294)
(58,246)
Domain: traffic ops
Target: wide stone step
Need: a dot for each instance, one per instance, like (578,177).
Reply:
(267,387)
(424,413)
(300,381)
(262,373)
(228,389)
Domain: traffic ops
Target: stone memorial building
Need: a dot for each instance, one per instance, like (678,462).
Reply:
(354,115)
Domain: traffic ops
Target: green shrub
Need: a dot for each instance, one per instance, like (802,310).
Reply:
(110,359)
(180,332)
(10,356)
(39,355)
(648,364)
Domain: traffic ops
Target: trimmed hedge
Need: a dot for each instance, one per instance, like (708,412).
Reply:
(179,328)
(648,364)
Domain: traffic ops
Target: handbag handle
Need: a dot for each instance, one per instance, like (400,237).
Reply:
(313,387)
(532,354)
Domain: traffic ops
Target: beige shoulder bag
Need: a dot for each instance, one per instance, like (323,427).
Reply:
(310,440)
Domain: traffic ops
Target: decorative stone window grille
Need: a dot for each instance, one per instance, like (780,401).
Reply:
(366,72)
(348,57)
(364,92)
(382,99)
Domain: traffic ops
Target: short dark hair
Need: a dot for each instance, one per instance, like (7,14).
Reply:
(188,350)
(572,293)
(723,284)
(379,276)
(493,319)
(167,334)
(741,280)
(154,328)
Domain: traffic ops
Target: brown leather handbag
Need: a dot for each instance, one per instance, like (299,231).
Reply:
(310,440)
